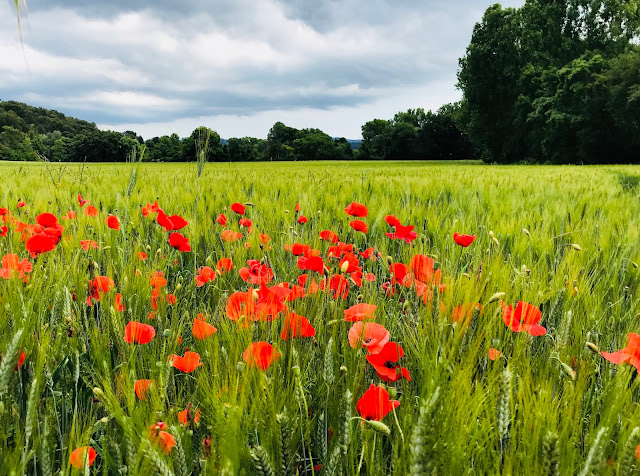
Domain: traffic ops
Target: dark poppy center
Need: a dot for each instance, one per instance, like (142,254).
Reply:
(390,365)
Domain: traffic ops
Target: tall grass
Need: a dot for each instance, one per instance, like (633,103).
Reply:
(548,405)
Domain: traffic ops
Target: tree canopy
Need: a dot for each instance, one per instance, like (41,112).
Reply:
(554,81)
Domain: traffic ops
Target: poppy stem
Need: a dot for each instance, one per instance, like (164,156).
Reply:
(395,417)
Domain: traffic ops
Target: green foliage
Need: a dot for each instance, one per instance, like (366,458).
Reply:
(414,134)
(523,413)
(554,81)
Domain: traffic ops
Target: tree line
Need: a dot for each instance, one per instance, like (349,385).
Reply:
(31,133)
(554,81)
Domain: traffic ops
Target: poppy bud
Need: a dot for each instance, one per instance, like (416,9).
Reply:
(466,275)
(525,231)
(576,247)
(99,394)
(393,392)
(255,295)
(178,286)
(166,333)
(634,264)
(406,306)
(592,347)
(296,370)
(240,367)
(344,267)
(360,298)
(496,297)
(378,426)
(343,368)
(96,266)
(159,252)
(148,248)
(389,260)
(138,272)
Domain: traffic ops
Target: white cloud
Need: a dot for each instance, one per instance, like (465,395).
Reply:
(236,65)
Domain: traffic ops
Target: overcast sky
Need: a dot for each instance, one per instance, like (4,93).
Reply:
(237,66)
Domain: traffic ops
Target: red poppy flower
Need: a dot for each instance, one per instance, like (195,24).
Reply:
(142,388)
(463,240)
(157,280)
(296,325)
(71,215)
(185,416)
(165,440)
(21,205)
(462,314)
(385,360)
(171,299)
(170,223)
(201,330)
(21,360)
(370,335)
(630,354)
(337,286)
(239,208)
(349,263)
(423,270)
(260,354)
(392,220)
(113,222)
(230,236)
(330,236)
(205,275)
(117,305)
(359,225)
(369,277)
(405,233)
(313,263)
(224,265)
(369,253)
(138,333)
(91,211)
(524,318)
(494,354)
(245,222)
(47,220)
(141,255)
(356,210)
(99,287)
(179,242)
(79,455)
(297,249)
(360,312)
(375,403)
(4,230)
(221,219)
(270,302)
(241,305)
(256,272)
(40,243)
(188,363)
(302,219)
(13,267)
(86,244)
(81,202)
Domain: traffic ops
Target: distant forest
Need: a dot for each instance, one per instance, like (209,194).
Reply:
(33,133)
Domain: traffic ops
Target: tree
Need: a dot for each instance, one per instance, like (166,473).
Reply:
(196,142)
(15,145)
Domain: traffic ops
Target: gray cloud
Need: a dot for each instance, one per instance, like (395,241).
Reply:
(149,64)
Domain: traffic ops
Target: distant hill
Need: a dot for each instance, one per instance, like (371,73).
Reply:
(45,121)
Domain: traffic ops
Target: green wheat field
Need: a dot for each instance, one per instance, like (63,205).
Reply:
(81,394)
